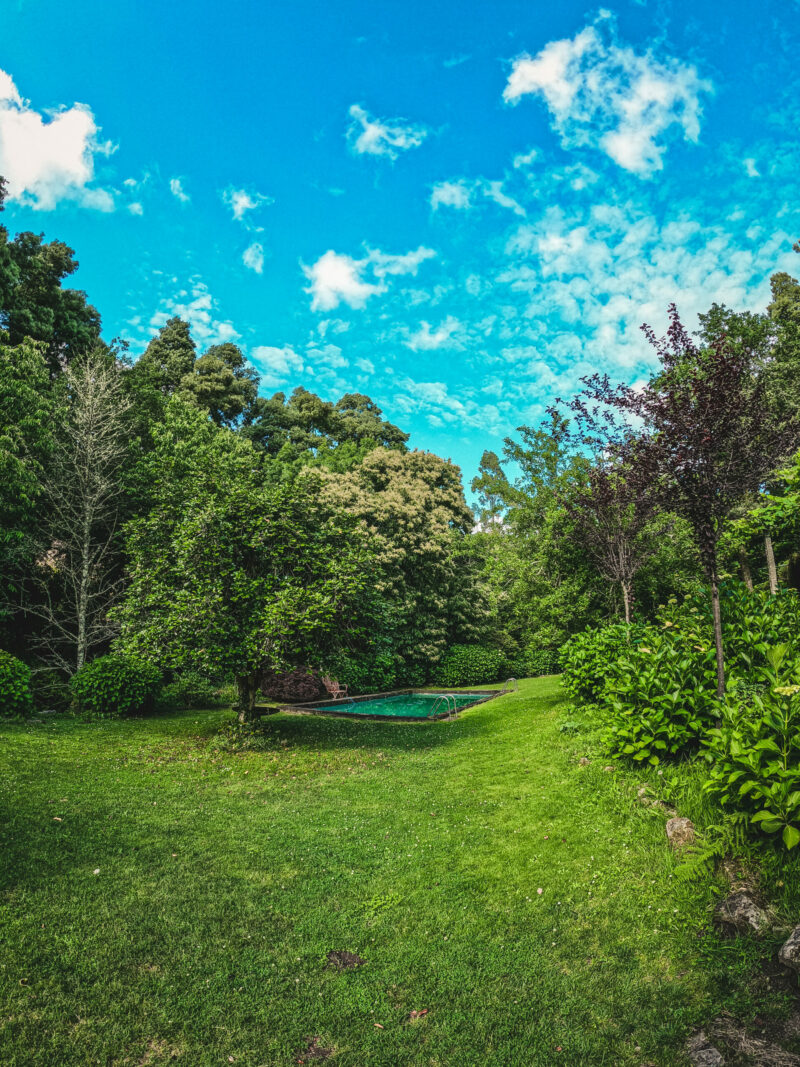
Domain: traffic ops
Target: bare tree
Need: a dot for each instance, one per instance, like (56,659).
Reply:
(78,576)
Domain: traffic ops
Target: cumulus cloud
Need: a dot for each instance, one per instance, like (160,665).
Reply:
(196,306)
(253,257)
(378,137)
(48,158)
(751,170)
(602,93)
(177,190)
(445,335)
(336,278)
(240,201)
(277,365)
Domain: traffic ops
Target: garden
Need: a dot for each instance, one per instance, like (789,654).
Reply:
(599,864)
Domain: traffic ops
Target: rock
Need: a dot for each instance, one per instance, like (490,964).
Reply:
(608,769)
(789,954)
(741,913)
(702,1053)
(583,762)
(680,832)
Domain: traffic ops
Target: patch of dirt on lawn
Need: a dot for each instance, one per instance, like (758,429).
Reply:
(314,1050)
(344,960)
(158,1051)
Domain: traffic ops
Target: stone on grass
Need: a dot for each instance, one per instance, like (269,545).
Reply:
(583,762)
(702,1053)
(680,832)
(740,912)
(789,954)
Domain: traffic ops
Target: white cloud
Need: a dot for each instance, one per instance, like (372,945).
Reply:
(456,61)
(197,307)
(604,94)
(428,339)
(336,278)
(253,257)
(135,208)
(277,365)
(240,201)
(459,194)
(751,170)
(177,190)
(376,137)
(455,194)
(524,159)
(50,158)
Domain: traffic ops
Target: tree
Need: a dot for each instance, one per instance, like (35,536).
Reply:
(234,570)
(169,357)
(308,430)
(411,505)
(222,383)
(27,425)
(614,515)
(33,302)
(78,579)
(702,433)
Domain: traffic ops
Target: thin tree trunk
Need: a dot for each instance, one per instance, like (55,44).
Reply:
(247,686)
(715,611)
(83,592)
(744,564)
(771,569)
(626,600)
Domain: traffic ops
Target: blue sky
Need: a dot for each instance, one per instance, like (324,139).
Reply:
(455,208)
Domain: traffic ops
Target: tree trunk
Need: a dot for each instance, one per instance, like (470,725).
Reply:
(771,569)
(626,600)
(83,592)
(744,564)
(247,687)
(718,635)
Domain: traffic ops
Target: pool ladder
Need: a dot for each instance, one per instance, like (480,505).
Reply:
(449,702)
(510,686)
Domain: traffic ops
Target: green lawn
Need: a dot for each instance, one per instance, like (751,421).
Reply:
(526,902)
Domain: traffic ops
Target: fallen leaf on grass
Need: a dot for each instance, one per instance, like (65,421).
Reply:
(418,1014)
(377,1026)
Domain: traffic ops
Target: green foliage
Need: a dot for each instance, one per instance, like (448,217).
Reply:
(754,756)
(587,658)
(113,686)
(190,690)
(367,673)
(469,665)
(50,689)
(15,687)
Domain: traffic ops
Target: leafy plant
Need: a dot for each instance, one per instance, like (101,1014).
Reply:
(191,689)
(587,658)
(15,687)
(112,686)
(754,756)
(469,665)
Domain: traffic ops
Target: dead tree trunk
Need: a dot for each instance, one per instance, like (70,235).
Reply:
(771,568)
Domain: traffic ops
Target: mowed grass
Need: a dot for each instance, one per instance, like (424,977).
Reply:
(526,903)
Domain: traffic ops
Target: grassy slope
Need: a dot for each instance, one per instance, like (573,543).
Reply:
(225,879)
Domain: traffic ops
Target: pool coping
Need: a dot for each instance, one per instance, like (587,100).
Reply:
(331,707)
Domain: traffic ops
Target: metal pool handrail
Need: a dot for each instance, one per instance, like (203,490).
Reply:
(445,699)
(510,686)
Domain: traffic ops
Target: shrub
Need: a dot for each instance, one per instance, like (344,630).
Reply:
(541,661)
(659,698)
(15,687)
(754,756)
(190,690)
(112,686)
(470,665)
(587,658)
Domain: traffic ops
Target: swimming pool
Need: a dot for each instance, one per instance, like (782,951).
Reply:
(411,705)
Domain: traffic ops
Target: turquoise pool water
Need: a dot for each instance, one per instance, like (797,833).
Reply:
(404,705)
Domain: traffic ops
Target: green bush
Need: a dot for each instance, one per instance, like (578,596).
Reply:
(368,673)
(659,697)
(112,686)
(754,756)
(190,690)
(540,661)
(470,665)
(587,658)
(15,687)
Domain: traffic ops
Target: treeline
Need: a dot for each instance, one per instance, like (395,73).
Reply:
(160,508)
